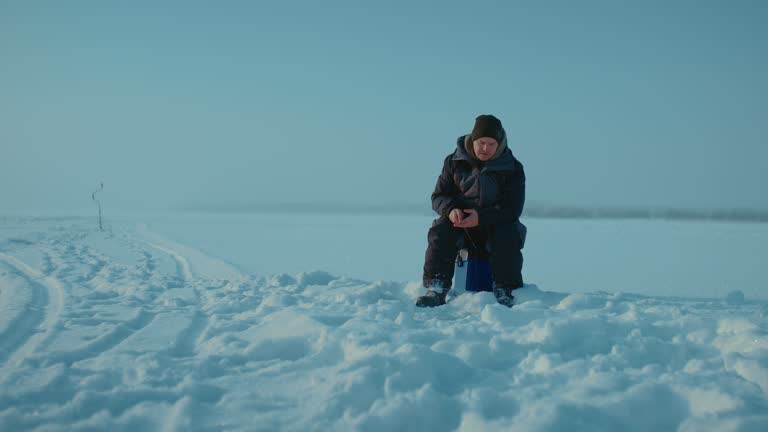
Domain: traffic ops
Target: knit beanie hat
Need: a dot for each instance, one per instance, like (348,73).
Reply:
(487,126)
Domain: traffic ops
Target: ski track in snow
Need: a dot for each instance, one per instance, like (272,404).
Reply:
(28,330)
(127,330)
(188,338)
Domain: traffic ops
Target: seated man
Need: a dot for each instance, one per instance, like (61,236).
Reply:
(480,193)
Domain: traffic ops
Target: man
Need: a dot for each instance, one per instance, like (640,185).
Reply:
(479,195)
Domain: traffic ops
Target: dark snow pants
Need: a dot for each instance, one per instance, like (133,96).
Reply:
(502,241)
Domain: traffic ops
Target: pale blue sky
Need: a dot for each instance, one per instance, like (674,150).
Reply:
(659,103)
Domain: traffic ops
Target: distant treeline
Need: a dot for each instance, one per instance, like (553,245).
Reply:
(732,215)
(531,211)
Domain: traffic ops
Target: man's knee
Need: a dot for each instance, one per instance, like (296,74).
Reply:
(442,224)
(442,230)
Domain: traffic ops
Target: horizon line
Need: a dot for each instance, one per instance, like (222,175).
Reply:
(535,211)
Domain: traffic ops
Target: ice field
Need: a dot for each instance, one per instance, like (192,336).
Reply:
(213,322)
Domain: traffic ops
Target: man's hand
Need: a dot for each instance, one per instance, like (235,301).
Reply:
(456,216)
(468,220)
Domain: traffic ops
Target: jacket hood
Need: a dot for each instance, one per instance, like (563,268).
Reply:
(503,160)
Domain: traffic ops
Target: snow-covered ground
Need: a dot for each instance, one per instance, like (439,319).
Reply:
(206,323)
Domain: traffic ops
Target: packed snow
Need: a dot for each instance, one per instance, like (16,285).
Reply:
(133,329)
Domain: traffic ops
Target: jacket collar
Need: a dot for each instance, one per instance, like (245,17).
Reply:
(504,160)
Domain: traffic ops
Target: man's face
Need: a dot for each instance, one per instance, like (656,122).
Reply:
(485,148)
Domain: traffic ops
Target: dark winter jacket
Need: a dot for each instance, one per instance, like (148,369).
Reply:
(495,188)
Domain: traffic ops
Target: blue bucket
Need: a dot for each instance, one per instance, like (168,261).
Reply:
(472,273)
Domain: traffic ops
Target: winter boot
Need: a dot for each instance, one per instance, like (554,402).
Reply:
(504,296)
(433,297)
